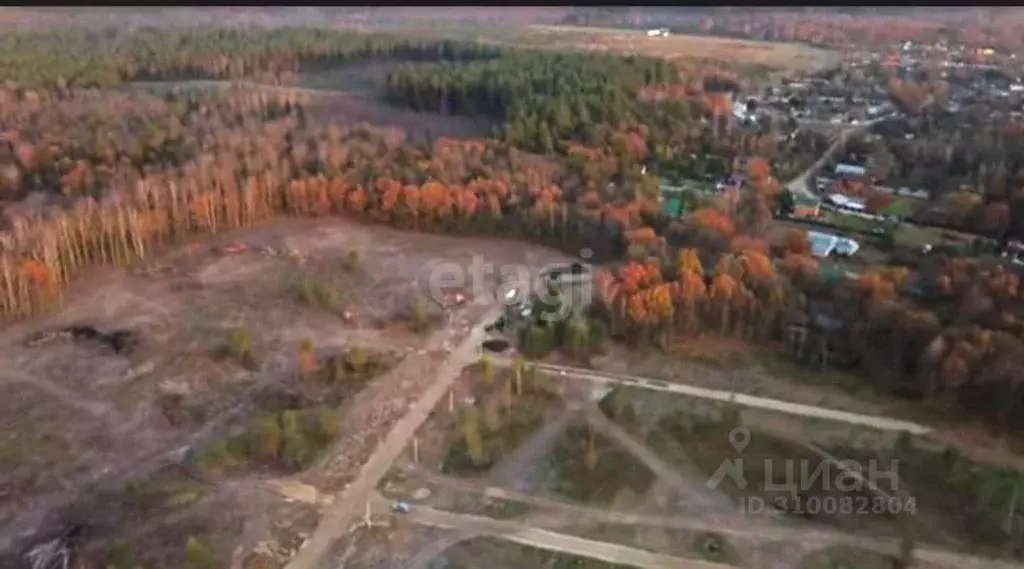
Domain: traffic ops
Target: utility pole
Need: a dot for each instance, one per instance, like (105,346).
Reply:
(368,519)
(416,450)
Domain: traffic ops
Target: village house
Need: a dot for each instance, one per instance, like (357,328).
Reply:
(806,206)
(825,244)
(845,202)
(846,170)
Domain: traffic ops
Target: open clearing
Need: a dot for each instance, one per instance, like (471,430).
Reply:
(660,460)
(351,94)
(789,56)
(355,92)
(282,284)
(420,126)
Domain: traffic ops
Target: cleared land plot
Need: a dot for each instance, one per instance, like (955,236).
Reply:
(590,468)
(929,491)
(735,365)
(488,416)
(78,411)
(491,552)
(350,94)
(791,57)
(366,80)
(354,92)
(420,126)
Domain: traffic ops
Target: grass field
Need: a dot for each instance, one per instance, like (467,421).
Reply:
(790,57)
(903,206)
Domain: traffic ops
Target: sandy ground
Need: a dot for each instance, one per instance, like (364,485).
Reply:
(183,307)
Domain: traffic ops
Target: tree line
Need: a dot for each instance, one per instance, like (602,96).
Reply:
(82,58)
(542,97)
(638,111)
(155,171)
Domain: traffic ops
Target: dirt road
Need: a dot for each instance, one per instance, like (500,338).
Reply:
(509,472)
(214,84)
(715,506)
(799,184)
(545,539)
(563,514)
(742,399)
(474,526)
(350,503)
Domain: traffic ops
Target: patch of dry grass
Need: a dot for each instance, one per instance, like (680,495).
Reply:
(789,56)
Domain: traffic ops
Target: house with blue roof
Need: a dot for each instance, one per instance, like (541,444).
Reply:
(844,169)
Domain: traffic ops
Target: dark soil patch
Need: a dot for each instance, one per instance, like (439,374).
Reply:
(98,522)
(121,342)
(420,126)
(496,346)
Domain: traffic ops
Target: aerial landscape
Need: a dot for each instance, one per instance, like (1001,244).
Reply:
(512,288)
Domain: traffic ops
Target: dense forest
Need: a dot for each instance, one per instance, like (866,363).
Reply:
(78,58)
(543,98)
(112,176)
(641,111)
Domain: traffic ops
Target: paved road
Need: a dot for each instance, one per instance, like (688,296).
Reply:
(351,502)
(742,399)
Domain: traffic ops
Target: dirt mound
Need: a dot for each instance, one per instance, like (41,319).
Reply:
(119,341)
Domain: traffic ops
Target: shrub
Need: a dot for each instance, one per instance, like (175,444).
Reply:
(356,359)
(199,556)
(268,440)
(315,293)
(353,261)
(336,370)
(307,358)
(239,348)
(297,452)
(420,315)
(213,457)
(322,424)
